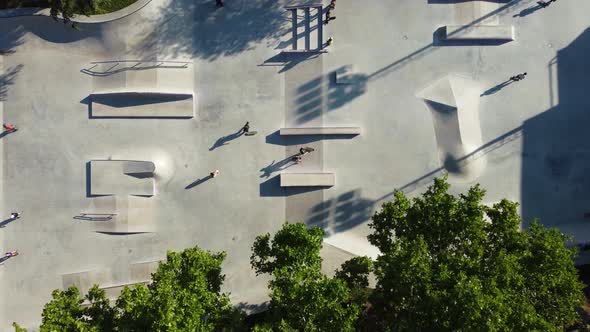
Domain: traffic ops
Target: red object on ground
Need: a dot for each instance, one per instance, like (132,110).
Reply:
(8,127)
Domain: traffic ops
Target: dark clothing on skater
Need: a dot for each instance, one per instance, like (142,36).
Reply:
(246,127)
(305,150)
(518,77)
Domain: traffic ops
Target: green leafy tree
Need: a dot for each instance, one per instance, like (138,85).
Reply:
(65,312)
(185,295)
(302,298)
(451,263)
(68,8)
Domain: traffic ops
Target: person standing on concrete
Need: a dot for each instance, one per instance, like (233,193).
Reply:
(330,41)
(305,150)
(14,215)
(246,127)
(333,4)
(296,159)
(214,174)
(518,77)
(219,3)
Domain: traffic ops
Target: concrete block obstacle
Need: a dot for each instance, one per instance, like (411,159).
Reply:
(121,177)
(320,131)
(453,102)
(141,104)
(122,214)
(308,179)
(479,32)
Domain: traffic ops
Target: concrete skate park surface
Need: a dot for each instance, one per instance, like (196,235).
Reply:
(423,107)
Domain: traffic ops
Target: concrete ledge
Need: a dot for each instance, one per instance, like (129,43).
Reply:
(37,11)
(479,32)
(321,131)
(307,179)
(138,104)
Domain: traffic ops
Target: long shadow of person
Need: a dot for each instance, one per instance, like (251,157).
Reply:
(6,222)
(275,167)
(225,140)
(528,11)
(198,182)
(496,88)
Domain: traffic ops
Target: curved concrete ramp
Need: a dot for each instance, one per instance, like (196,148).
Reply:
(454,104)
(121,177)
(353,244)
(141,104)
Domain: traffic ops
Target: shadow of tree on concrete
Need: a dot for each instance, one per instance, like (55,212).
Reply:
(216,32)
(344,212)
(7,79)
(314,94)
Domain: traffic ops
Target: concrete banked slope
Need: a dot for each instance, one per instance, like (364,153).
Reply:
(454,104)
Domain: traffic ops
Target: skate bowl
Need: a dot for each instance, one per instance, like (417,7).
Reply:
(453,102)
(141,104)
(120,177)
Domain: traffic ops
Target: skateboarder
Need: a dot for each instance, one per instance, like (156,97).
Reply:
(332,4)
(518,77)
(8,127)
(328,19)
(330,41)
(14,215)
(11,253)
(305,150)
(296,159)
(544,4)
(214,174)
(246,127)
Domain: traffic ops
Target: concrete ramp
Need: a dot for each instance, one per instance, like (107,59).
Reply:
(121,177)
(141,104)
(454,104)
(126,215)
(111,281)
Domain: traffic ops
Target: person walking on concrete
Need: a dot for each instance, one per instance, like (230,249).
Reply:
(246,127)
(11,253)
(219,3)
(518,77)
(14,215)
(8,127)
(214,174)
(305,150)
(544,4)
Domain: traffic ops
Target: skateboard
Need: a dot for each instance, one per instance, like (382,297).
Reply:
(251,133)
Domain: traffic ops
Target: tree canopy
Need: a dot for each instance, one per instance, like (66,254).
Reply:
(301,298)
(451,263)
(446,263)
